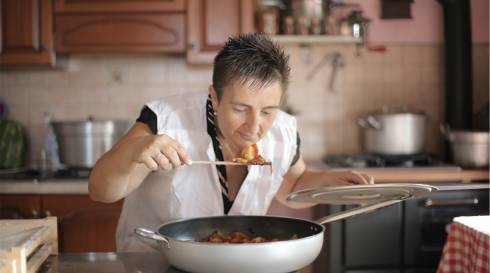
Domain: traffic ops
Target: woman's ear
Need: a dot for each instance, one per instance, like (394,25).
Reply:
(214,96)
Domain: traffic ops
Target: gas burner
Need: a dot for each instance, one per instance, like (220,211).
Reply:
(381,161)
(31,174)
(73,172)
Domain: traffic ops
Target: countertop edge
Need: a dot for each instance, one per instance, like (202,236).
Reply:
(80,186)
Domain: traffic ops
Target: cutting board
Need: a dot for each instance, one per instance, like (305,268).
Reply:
(25,244)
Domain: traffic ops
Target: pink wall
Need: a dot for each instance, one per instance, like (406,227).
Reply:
(479,21)
(426,27)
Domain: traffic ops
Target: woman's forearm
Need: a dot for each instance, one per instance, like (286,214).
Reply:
(116,174)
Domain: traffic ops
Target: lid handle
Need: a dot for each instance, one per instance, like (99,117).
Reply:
(358,210)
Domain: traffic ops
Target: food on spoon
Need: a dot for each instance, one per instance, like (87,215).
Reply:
(237,237)
(251,155)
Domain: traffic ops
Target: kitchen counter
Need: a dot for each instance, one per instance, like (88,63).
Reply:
(423,175)
(109,262)
(452,175)
(54,186)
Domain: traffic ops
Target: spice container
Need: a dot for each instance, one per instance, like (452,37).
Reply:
(344,28)
(268,16)
(331,26)
(303,26)
(288,26)
(316,25)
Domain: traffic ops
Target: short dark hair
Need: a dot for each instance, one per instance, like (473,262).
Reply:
(251,58)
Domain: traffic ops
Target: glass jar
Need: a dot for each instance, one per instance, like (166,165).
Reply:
(268,15)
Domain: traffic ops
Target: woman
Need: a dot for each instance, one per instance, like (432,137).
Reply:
(151,166)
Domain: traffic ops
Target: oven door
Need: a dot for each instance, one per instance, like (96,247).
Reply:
(427,222)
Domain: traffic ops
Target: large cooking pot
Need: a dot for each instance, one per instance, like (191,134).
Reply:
(182,241)
(81,143)
(469,148)
(394,133)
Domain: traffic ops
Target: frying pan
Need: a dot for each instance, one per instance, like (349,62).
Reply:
(182,243)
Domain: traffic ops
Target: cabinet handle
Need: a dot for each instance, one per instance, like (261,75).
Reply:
(35,213)
(43,47)
(454,202)
(47,213)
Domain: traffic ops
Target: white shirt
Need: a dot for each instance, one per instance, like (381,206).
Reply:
(195,191)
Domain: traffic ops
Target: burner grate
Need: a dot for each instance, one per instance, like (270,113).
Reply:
(382,161)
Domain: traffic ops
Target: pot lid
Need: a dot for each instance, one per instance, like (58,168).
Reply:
(393,110)
(369,197)
(361,194)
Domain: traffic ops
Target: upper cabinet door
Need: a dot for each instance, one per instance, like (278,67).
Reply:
(120,26)
(211,22)
(162,32)
(26,32)
(75,6)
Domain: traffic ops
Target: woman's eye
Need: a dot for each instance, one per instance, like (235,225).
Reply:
(267,112)
(239,109)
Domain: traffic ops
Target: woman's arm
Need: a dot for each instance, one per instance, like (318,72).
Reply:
(122,169)
(299,177)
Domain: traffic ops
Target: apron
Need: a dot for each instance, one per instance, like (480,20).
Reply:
(195,191)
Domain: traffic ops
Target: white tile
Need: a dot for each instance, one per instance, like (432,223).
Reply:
(116,86)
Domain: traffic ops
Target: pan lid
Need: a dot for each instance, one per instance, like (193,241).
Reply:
(361,194)
(368,197)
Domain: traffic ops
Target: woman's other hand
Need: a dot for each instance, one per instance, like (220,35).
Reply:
(300,178)
(346,178)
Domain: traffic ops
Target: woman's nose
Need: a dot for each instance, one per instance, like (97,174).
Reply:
(253,123)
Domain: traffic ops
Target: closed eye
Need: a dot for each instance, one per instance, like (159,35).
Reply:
(239,109)
(268,111)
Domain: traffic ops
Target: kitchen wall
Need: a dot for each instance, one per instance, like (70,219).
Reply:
(116,86)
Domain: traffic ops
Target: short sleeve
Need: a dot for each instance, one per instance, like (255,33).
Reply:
(148,117)
(297,154)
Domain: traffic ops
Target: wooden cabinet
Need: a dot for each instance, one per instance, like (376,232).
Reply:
(211,22)
(120,33)
(20,206)
(83,225)
(103,6)
(26,32)
(120,26)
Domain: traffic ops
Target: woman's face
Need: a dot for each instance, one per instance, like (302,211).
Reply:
(244,114)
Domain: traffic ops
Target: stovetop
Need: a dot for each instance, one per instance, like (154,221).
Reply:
(417,161)
(31,174)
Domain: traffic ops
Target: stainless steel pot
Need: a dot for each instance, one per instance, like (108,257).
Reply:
(400,133)
(81,143)
(181,241)
(469,148)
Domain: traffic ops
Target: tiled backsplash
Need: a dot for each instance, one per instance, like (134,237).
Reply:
(116,86)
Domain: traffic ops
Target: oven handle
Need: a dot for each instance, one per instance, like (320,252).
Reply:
(450,202)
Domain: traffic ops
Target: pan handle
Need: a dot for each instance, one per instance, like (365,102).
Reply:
(149,234)
(357,210)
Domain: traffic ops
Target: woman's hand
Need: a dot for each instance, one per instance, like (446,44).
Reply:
(346,178)
(300,178)
(159,152)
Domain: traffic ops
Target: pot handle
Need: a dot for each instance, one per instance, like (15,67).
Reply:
(358,210)
(445,130)
(369,121)
(149,234)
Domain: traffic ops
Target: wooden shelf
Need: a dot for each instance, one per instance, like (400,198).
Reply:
(315,39)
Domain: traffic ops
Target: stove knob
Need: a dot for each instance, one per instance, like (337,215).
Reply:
(35,213)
